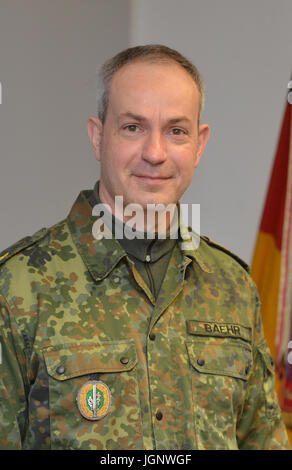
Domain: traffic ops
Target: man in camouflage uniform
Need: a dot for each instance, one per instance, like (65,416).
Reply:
(111,343)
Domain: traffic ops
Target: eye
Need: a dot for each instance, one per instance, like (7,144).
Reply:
(178,131)
(131,128)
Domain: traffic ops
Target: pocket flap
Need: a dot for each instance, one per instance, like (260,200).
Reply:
(220,357)
(71,360)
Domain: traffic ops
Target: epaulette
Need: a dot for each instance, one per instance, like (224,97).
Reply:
(228,252)
(21,244)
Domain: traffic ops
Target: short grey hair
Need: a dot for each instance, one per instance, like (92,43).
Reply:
(150,52)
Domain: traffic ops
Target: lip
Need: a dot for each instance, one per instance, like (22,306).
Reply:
(152,179)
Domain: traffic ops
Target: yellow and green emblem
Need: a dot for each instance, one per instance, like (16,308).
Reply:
(94,400)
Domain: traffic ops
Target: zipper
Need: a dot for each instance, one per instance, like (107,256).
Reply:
(148,270)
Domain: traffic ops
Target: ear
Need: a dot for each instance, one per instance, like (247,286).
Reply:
(94,129)
(203,137)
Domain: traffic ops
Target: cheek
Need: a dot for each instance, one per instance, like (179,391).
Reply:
(185,161)
(126,152)
(112,154)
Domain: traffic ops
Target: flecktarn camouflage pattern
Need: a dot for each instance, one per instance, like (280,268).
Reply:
(90,361)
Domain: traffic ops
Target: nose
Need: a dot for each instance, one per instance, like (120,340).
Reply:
(154,150)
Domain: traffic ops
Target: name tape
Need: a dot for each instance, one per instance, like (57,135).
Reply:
(233,330)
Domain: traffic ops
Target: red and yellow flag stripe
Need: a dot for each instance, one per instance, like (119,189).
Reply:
(272,260)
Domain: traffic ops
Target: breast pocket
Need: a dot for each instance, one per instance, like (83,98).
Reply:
(94,396)
(220,369)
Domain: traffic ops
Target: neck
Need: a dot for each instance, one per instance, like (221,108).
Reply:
(153,220)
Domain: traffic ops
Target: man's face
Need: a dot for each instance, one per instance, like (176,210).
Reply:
(150,142)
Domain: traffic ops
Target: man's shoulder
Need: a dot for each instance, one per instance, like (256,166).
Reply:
(20,245)
(29,243)
(222,252)
(230,272)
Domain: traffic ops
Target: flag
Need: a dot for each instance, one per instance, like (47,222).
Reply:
(272,264)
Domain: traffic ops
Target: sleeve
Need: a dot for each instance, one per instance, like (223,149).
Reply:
(261,426)
(13,383)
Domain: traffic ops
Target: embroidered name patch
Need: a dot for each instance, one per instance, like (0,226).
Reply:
(231,330)
(94,400)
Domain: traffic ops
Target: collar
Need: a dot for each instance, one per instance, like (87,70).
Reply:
(142,246)
(101,254)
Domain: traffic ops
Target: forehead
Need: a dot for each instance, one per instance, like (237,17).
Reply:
(144,86)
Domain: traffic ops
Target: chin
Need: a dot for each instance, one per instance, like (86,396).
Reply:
(144,198)
(156,201)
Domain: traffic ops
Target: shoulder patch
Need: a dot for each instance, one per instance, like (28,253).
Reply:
(228,252)
(21,244)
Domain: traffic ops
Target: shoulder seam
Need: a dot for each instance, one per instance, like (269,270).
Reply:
(22,244)
(28,241)
(228,252)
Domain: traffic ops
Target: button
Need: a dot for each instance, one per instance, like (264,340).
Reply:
(272,407)
(124,361)
(147,258)
(152,336)
(200,361)
(159,415)
(60,370)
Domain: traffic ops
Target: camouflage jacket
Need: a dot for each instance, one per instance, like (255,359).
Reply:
(90,361)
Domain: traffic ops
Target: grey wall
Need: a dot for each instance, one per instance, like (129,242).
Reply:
(243,50)
(49,53)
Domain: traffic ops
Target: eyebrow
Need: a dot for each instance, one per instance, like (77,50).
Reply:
(138,117)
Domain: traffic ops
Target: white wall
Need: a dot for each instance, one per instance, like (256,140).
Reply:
(49,53)
(243,50)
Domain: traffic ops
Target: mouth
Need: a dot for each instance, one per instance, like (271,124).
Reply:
(152,179)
